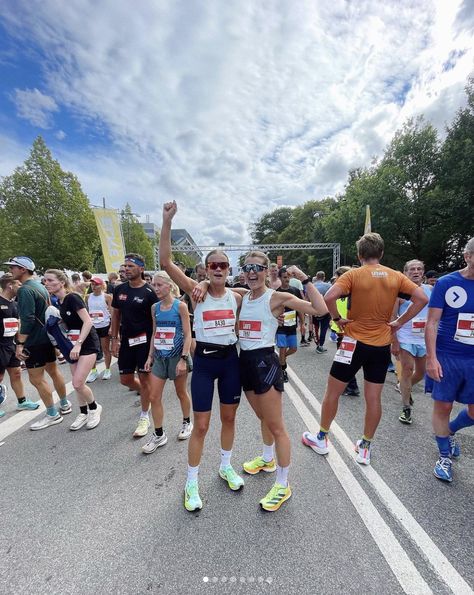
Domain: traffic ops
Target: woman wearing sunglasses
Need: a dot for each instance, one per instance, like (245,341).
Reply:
(215,358)
(260,369)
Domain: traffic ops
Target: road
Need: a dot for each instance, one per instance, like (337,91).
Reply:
(87,512)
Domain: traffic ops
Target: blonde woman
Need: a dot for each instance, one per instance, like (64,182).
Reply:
(83,335)
(169,357)
(99,305)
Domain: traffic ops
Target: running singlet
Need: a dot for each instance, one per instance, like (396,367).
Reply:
(135,305)
(69,308)
(290,316)
(372,291)
(98,310)
(169,337)
(257,325)
(214,319)
(455,296)
(8,321)
(413,332)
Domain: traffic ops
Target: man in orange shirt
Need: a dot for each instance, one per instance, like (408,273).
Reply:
(372,291)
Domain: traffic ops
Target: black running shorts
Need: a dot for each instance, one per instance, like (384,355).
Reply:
(260,370)
(373,360)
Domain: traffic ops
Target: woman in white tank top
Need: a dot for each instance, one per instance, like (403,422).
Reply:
(99,305)
(260,369)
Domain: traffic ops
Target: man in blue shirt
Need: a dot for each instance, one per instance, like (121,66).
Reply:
(450,358)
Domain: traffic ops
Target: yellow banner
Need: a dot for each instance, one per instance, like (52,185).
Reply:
(110,233)
(368,224)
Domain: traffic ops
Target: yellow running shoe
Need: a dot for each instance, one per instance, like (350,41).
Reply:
(142,427)
(258,464)
(275,497)
(234,481)
(192,501)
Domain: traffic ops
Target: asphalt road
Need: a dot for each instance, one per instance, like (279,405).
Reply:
(87,512)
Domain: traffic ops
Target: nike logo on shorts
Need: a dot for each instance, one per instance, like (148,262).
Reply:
(206,352)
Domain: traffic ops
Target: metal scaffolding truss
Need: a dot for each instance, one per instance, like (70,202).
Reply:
(336,249)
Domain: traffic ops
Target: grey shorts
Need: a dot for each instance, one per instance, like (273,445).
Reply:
(165,367)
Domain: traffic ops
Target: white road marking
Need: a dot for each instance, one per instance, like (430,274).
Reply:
(427,548)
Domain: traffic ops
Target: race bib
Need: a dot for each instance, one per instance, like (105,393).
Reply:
(290,318)
(97,316)
(138,340)
(418,326)
(346,351)
(251,330)
(10,327)
(164,338)
(465,329)
(73,336)
(218,322)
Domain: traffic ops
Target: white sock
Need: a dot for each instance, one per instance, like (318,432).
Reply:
(225,457)
(268,453)
(192,473)
(282,475)
(144,414)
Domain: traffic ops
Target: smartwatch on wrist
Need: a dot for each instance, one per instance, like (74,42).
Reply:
(337,319)
(306,281)
(185,357)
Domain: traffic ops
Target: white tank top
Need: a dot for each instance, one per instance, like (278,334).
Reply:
(413,332)
(98,310)
(257,325)
(215,318)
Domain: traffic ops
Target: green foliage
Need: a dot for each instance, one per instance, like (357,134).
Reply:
(135,237)
(45,214)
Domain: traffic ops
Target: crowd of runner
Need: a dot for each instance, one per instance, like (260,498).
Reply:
(164,326)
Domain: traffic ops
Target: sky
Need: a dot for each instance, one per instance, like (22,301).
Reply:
(230,108)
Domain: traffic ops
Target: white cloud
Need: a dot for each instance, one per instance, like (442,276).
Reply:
(235,112)
(35,106)
(60,135)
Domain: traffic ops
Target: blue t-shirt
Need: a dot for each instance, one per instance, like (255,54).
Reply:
(169,330)
(455,296)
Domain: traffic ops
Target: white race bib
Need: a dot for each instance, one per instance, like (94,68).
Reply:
(97,316)
(73,336)
(138,340)
(346,351)
(290,318)
(418,326)
(250,330)
(164,337)
(218,322)
(10,327)
(465,329)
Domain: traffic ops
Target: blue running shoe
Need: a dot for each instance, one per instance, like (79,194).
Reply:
(27,406)
(454,447)
(3,393)
(442,469)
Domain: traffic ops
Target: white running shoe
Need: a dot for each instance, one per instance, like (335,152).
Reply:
(46,421)
(94,417)
(106,375)
(79,422)
(154,442)
(92,375)
(186,430)
(363,454)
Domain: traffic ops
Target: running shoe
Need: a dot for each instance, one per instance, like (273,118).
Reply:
(258,464)
(93,374)
(27,405)
(275,497)
(363,454)
(320,349)
(154,442)
(142,427)
(61,359)
(351,393)
(79,422)
(321,446)
(285,375)
(442,469)
(46,421)
(107,375)
(234,481)
(94,417)
(397,388)
(192,501)
(3,393)
(65,409)
(185,431)
(2,413)
(405,416)
(454,447)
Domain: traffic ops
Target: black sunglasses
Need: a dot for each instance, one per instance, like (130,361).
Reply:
(256,268)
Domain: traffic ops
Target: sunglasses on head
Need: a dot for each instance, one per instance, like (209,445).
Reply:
(256,268)
(218,265)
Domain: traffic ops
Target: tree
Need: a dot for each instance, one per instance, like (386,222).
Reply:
(135,237)
(47,214)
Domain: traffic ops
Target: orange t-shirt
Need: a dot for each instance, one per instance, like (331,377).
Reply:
(372,291)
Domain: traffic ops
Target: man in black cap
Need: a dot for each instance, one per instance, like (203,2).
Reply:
(33,345)
(431,278)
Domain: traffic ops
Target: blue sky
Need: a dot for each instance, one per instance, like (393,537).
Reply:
(231,109)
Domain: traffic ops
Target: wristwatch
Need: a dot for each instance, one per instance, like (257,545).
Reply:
(185,357)
(306,281)
(337,318)
(79,341)
(19,342)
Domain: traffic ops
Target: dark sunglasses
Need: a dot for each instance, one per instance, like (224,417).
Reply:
(256,268)
(218,265)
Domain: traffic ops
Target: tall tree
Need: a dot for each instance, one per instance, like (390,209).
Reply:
(135,237)
(46,215)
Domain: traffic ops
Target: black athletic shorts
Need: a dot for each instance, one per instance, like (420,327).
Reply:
(373,361)
(103,332)
(131,359)
(8,358)
(40,355)
(260,370)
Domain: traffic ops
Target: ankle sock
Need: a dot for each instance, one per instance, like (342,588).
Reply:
(63,402)
(52,411)
(159,432)
(186,420)
(225,457)
(21,400)
(443,446)
(268,452)
(322,434)
(83,409)
(193,473)
(93,406)
(282,476)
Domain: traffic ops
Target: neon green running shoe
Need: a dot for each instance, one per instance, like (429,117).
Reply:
(258,464)
(275,497)
(234,481)
(192,501)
